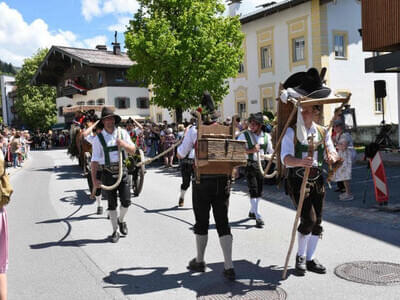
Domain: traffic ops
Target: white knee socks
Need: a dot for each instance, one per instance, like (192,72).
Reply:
(253,205)
(312,246)
(122,213)
(258,216)
(114,219)
(201,243)
(226,245)
(302,241)
(98,201)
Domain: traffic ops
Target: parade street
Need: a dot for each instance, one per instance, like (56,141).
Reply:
(59,246)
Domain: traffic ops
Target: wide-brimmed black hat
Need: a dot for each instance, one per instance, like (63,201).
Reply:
(129,121)
(311,85)
(208,103)
(107,112)
(257,117)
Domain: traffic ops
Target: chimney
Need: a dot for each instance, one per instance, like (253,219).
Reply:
(234,6)
(116,46)
(101,47)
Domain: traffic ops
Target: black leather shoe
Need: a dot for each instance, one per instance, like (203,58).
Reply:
(230,274)
(100,210)
(123,228)
(181,201)
(252,215)
(259,223)
(315,266)
(196,266)
(300,264)
(115,237)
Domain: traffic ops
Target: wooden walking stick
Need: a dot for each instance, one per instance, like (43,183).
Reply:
(300,205)
(289,120)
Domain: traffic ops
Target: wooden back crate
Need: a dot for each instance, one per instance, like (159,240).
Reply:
(217,150)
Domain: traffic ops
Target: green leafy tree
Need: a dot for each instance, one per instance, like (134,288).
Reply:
(35,105)
(182,48)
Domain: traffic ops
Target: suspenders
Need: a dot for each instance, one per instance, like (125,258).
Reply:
(107,150)
(251,145)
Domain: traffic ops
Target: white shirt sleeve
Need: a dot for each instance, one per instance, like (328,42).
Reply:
(270,149)
(188,142)
(329,144)
(126,137)
(287,146)
(97,151)
(242,137)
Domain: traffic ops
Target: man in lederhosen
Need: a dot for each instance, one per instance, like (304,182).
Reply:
(294,155)
(258,143)
(186,165)
(212,191)
(105,153)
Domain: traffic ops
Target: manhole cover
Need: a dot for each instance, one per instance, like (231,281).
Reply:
(370,272)
(243,290)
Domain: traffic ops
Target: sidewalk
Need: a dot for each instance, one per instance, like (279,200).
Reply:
(390,158)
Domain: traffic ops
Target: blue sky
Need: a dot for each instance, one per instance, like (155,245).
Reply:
(26,25)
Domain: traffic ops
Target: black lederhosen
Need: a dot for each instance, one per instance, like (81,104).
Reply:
(311,213)
(255,180)
(212,191)
(123,190)
(186,172)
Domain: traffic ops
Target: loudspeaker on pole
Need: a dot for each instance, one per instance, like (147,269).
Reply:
(380,88)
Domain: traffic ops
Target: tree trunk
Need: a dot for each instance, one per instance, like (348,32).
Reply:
(178,115)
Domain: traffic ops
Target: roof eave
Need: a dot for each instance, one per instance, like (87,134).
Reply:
(272,10)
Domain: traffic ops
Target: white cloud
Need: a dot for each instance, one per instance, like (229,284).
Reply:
(90,8)
(19,39)
(97,8)
(121,25)
(97,40)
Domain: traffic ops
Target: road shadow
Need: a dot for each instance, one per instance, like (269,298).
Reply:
(63,172)
(143,280)
(80,198)
(162,211)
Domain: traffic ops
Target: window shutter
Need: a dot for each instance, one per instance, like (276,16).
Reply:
(116,103)
(128,102)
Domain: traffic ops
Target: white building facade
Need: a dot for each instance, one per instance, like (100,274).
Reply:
(7,85)
(295,35)
(128,101)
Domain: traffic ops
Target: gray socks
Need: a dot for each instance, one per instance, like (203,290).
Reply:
(226,245)
(182,194)
(201,243)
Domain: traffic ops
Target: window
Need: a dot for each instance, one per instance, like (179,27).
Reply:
(266,59)
(80,103)
(241,108)
(60,111)
(159,117)
(379,105)
(100,101)
(269,104)
(122,102)
(298,49)
(119,76)
(142,102)
(241,68)
(91,102)
(100,78)
(339,46)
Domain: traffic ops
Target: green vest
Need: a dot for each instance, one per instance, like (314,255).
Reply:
(299,148)
(250,144)
(108,149)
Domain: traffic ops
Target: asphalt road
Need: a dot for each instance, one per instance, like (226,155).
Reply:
(59,247)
